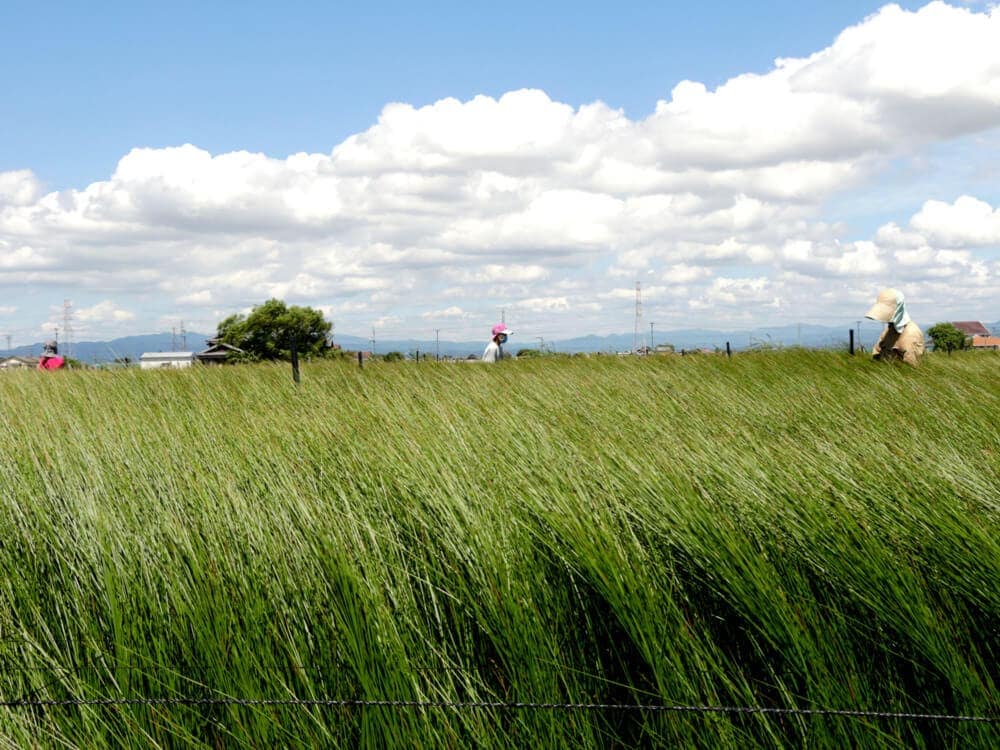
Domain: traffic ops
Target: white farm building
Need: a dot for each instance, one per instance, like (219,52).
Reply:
(158,360)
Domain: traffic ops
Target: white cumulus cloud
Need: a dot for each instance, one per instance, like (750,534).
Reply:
(967,221)
(102,312)
(714,200)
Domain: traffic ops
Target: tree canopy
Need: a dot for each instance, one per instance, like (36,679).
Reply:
(273,328)
(947,338)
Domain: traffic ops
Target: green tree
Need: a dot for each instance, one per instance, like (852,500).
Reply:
(273,328)
(947,338)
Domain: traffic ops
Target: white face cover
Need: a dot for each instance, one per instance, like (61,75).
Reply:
(899,316)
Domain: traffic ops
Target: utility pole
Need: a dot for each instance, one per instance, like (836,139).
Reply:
(184,342)
(437,344)
(68,327)
(173,339)
(373,341)
(652,345)
(638,317)
(503,315)
(8,344)
(860,348)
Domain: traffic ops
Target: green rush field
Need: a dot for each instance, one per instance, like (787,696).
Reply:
(780,530)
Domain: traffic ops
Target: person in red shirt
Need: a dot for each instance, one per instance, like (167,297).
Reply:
(50,359)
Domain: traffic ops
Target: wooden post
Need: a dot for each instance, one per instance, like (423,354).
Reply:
(850,342)
(295,364)
(729,352)
(361,361)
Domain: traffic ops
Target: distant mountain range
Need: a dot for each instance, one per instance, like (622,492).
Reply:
(812,336)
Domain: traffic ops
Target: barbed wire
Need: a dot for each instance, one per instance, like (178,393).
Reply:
(111,664)
(489,705)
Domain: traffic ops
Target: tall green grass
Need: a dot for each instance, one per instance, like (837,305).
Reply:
(792,529)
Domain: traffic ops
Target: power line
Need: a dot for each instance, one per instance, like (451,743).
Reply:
(68,327)
(638,316)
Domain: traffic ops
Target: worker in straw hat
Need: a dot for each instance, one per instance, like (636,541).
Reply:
(902,338)
(494,349)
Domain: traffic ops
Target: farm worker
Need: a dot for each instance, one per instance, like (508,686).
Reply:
(902,338)
(50,359)
(494,349)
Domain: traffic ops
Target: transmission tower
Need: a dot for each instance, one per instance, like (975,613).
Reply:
(638,316)
(67,328)
(184,342)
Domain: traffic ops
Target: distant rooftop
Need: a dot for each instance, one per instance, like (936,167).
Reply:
(986,342)
(167,355)
(971,327)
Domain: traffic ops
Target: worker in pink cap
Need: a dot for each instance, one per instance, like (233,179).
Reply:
(902,338)
(50,359)
(494,349)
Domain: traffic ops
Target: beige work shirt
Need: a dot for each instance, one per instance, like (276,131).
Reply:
(908,345)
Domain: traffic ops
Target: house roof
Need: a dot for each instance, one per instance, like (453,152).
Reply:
(166,355)
(971,327)
(18,360)
(219,350)
(986,342)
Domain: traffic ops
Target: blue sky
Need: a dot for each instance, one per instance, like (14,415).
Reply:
(86,82)
(542,159)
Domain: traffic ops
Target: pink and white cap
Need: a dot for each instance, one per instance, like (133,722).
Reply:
(499,329)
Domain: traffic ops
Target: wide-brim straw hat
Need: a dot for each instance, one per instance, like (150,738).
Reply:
(885,306)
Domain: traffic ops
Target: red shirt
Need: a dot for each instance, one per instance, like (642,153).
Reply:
(51,363)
